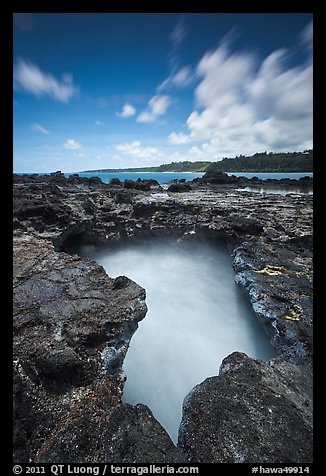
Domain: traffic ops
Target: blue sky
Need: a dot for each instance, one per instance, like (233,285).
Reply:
(128,90)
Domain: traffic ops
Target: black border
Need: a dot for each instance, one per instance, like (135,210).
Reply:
(6,92)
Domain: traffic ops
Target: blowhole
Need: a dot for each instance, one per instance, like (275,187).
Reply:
(196,317)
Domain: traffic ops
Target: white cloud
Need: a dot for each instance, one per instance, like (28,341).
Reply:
(30,78)
(71,144)
(195,153)
(177,77)
(146,116)
(38,128)
(99,123)
(282,94)
(224,77)
(140,154)
(180,138)
(181,78)
(179,33)
(128,110)
(306,35)
(243,107)
(135,149)
(157,106)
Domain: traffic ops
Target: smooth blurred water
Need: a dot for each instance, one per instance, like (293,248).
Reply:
(277,190)
(196,317)
(272,175)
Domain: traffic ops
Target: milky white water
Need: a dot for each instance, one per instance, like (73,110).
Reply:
(196,317)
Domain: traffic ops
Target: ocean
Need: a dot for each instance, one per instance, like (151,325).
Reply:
(165,177)
(161,177)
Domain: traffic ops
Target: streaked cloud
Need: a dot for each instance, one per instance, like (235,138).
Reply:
(179,33)
(128,110)
(71,144)
(243,106)
(306,35)
(225,102)
(177,37)
(157,106)
(31,79)
(38,128)
(181,78)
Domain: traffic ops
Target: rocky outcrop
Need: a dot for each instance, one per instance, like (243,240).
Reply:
(218,178)
(179,186)
(252,412)
(73,324)
(121,434)
(72,328)
(280,290)
(135,435)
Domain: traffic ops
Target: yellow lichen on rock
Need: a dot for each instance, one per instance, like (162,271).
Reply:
(273,270)
(290,315)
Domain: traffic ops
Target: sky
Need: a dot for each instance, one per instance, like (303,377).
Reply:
(116,90)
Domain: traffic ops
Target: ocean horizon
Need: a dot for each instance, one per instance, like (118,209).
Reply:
(166,177)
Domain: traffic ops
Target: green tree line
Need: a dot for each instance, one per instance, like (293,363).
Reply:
(267,162)
(259,162)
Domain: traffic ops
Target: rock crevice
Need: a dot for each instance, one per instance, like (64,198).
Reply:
(73,323)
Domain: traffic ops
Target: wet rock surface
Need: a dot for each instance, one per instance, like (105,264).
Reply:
(72,327)
(252,412)
(73,324)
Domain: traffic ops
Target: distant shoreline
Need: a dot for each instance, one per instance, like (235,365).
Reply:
(263,162)
(140,171)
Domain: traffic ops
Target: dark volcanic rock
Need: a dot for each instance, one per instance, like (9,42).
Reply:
(122,197)
(95,181)
(222,178)
(179,187)
(253,412)
(279,288)
(136,437)
(129,184)
(57,177)
(73,324)
(118,434)
(217,178)
(248,226)
(139,184)
(116,181)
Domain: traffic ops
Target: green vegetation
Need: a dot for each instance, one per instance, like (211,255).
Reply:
(260,162)
(185,166)
(266,162)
